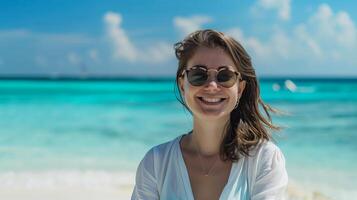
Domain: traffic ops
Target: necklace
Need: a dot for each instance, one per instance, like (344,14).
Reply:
(205,172)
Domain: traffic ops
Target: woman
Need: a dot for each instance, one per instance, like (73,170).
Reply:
(229,153)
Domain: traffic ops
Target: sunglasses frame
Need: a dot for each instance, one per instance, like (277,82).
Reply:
(238,75)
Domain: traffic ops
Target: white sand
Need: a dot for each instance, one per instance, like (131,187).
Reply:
(122,193)
(92,185)
(66,185)
(65,194)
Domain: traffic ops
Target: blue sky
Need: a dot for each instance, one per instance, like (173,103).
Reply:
(135,38)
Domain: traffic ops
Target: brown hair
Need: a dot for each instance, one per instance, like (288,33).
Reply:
(247,126)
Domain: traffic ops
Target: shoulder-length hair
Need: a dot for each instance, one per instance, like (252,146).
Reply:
(247,126)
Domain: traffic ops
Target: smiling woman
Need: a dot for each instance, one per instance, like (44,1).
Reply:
(228,154)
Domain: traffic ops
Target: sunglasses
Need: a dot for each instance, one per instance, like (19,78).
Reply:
(198,76)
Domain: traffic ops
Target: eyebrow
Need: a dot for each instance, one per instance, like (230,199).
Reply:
(219,68)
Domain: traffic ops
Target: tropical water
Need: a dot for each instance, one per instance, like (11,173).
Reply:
(107,126)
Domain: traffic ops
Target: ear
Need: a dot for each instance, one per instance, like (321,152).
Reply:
(181,84)
(241,88)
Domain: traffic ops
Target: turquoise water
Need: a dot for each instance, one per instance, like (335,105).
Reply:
(109,125)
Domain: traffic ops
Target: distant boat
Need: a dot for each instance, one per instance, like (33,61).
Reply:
(290,85)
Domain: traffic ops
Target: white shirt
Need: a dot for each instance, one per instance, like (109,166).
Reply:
(162,174)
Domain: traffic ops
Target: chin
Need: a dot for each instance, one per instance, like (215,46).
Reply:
(212,115)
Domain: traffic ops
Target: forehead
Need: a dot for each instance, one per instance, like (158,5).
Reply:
(212,58)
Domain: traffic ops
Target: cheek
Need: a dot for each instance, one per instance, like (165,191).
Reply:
(234,94)
(186,91)
(189,92)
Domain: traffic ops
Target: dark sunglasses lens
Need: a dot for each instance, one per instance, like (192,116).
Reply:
(197,77)
(226,78)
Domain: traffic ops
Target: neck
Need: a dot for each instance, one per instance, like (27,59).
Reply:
(208,135)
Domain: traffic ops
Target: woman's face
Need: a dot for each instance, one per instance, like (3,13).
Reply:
(201,99)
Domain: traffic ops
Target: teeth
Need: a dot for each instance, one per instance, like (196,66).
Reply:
(211,100)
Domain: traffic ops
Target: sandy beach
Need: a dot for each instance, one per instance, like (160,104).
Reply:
(59,185)
(123,193)
(111,194)
(93,185)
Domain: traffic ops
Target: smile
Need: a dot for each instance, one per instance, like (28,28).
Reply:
(211,101)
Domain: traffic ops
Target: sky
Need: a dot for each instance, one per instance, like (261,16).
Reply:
(295,38)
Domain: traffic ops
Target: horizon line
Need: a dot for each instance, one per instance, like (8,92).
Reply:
(157,78)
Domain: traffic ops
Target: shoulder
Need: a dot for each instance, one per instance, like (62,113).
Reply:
(155,160)
(265,149)
(162,150)
(267,155)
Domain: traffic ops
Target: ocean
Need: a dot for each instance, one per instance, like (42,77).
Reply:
(65,131)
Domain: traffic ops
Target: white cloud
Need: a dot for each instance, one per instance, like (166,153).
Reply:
(42,49)
(125,49)
(282,7)
(249,42)
(329,27)
(329,35)
(188,25)
(302,35)
(275,47)
(325,39)
(236,33)
(63,51)
(160,52)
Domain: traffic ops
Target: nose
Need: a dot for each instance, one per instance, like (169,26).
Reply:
(212,84)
